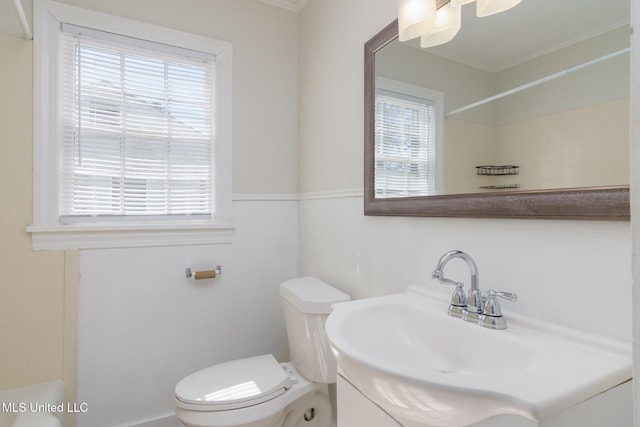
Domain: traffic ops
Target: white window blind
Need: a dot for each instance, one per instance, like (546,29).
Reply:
(405,144)
(137,131)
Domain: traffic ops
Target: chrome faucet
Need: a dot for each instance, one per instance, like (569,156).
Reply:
(472,307)
(492,317)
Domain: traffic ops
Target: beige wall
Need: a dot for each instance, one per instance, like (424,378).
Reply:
(468,145)
(332,35)
(32,284)
(264,78)
(583,147)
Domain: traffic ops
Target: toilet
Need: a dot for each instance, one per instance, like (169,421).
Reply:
(260,392)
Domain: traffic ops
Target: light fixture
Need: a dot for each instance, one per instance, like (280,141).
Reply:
(437,23)
(415,18)
(447,25)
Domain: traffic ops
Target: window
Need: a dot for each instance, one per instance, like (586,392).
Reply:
(132,127)
(407,140)
(137,132)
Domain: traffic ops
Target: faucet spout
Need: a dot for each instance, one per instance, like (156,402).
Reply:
(474,297)
(444,259)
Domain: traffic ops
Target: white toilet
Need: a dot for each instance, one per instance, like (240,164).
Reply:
(259,391)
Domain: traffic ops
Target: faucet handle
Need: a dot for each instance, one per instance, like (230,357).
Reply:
(445,281)
(491,305)
(459,299)
(492,316)
(458,306)
(506,295)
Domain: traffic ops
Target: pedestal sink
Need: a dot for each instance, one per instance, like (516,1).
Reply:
(427,368)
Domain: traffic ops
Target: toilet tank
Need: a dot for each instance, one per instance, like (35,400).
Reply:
(306,302)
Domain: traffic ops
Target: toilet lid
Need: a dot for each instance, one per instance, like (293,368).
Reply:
(234,384)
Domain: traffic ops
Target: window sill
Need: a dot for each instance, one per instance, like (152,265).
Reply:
(67,237)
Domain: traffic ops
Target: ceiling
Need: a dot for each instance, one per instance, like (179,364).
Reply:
(491,43)
(532,28)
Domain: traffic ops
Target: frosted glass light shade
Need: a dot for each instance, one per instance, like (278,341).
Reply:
(458,3)
(489,7)
(415,17)
(447,25)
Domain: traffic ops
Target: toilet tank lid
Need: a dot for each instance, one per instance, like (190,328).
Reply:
(311,295)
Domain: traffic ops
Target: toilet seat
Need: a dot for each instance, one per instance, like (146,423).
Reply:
(263,414)
(233,385)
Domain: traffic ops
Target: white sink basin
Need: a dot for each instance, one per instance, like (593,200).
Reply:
(427,368)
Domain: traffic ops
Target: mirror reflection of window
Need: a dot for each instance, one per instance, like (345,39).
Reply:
(408,140)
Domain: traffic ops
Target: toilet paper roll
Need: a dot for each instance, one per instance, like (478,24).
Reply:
(207,274)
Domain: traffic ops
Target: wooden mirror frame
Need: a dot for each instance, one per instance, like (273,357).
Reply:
(588,203)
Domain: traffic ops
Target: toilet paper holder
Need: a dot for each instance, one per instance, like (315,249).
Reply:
(205,274)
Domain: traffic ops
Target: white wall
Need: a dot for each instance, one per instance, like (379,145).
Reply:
(142,325)
(564,271)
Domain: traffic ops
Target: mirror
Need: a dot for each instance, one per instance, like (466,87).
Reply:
(548,137)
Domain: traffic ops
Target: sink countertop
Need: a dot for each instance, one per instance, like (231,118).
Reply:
(405,353)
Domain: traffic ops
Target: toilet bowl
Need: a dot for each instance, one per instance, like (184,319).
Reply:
(260,392)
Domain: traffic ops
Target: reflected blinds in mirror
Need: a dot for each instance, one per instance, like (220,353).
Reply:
(405,139)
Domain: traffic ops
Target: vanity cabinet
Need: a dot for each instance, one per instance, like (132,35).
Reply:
(611,408)
(356,410)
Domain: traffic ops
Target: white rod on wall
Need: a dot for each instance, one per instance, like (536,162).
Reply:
(539,81)
(26,31)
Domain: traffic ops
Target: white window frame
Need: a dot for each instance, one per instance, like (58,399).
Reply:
(48,233)
(437,98)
